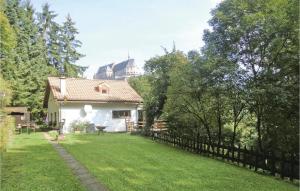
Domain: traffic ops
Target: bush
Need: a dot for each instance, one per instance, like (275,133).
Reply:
(80,125)
(7,124)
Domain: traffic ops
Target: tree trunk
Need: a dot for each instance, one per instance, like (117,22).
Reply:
(258,128)
(234,133)
(220,128)
(208,133)
(219,119)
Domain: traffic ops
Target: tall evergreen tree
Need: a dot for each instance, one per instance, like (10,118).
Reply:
(46,20)
(70,45)
(34,49)
(29,68)
(51,33)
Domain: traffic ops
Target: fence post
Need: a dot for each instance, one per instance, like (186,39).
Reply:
(244,156)
(251,157)
(239,154)
(227,154)
(173,138)
(201,145)
(273,167)
(256,160)
(264,158)
(282,165)
(184,142)
(198,146)
(292,167)
(195,143)
(232,153)
(204,145)
(223,154)
(209,146)
(180,141)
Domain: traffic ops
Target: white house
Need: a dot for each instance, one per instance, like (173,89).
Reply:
(102,102)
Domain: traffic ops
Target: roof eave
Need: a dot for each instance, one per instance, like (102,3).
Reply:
(99,101)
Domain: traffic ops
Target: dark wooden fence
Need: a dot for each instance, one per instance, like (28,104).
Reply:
(285,165)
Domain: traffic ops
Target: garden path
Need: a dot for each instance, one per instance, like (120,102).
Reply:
(84,176)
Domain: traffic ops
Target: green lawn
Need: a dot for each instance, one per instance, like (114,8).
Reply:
(125,162)
(32,164)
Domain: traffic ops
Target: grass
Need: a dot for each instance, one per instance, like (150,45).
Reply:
(125,162)
(32,164)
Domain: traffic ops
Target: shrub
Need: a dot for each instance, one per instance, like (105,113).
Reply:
(7,124)
(78,125)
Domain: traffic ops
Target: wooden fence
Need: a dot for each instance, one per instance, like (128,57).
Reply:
(285,165)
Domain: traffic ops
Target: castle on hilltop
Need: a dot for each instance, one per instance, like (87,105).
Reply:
(120,71)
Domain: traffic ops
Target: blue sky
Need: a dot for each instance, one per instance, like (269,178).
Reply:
(109,29)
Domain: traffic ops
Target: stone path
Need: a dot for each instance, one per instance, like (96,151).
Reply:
(87,180)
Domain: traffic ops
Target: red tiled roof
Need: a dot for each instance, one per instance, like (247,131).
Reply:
(78,89)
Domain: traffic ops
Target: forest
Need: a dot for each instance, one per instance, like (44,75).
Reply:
(33,47)
(242,87)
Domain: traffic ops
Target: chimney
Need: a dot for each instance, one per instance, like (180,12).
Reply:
(62,85)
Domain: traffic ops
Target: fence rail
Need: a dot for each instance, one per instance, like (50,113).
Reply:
(285,165)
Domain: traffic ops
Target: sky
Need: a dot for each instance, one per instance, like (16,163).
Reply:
(112,30)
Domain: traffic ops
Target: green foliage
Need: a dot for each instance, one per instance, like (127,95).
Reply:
(69,46)
(141,85)
(158,75)
(32,48)
(261,39)
(5,91)
(61,42)
(7,36)
(78,125)
(243,87)
(7,125)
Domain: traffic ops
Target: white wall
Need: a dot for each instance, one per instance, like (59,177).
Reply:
(101,114)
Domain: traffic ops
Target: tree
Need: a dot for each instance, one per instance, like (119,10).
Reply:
(31,50)
(7,42)
(69,48)
(50,31)
(5,91)
(46,21)
(158,71)
(7,36)
(27,68)
(261,38)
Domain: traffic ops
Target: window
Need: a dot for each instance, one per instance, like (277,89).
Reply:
(103,88)
(121,114)
(51,119)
